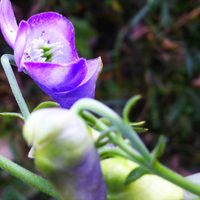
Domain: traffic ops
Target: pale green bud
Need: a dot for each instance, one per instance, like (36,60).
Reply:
(64,152)
(148,187)
(54,131)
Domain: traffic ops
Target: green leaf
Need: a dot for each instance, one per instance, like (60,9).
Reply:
(46,104)
(11,114)
(140,129)
(159,149)
(137,126)
(128,107)
(140,123)
(135,174)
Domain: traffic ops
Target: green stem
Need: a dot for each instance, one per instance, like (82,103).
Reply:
(28,177)
(127,131)
(109,152)
(5,61)
(175,178)
(161,170)
(156,167)
(113,138)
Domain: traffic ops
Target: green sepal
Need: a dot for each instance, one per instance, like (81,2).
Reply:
(46,104)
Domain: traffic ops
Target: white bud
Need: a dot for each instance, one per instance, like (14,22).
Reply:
(56,133)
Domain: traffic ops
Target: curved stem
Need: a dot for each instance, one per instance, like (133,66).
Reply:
(5,61)
(162,171)
(127,131)
(28,177)
(155,167)
(114,139)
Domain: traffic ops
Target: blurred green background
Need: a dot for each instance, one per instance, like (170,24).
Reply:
(150,48)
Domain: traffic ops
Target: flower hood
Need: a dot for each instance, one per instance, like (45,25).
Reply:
(44,48)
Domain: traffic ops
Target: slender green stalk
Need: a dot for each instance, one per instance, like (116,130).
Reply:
(108,152)
(129,152)
(28,177)
(9,166)
(5,61)
(114,139)
(161,170)
(175,178)
(127,131)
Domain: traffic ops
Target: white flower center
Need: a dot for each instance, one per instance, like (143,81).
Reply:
(41,50)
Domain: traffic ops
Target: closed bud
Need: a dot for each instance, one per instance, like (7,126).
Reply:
(148,186)
(65,154)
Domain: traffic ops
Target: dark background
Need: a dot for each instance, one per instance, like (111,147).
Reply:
(150,48)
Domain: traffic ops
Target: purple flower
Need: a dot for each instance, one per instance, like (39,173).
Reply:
(44,48)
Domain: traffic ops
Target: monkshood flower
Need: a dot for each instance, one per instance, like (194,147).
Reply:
(64,152)
(44,48)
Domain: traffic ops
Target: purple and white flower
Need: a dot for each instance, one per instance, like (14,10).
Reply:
(64,152)
(44,48)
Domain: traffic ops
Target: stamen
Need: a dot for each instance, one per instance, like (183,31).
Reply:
(41,50)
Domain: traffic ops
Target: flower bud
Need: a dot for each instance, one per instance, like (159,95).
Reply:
(149,187)
(65,154)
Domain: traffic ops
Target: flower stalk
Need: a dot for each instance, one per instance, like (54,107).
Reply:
(127,131)
(5,61)
(28,177)
(152,167)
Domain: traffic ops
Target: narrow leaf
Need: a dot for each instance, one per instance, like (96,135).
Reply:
(129,105)
(140,123)
(135,174)
(11,114)
(140,129)
(159,149)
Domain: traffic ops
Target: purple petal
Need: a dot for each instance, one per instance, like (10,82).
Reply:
(54,28)
(54,78)
(85,89)
(20,43)
(8,22)
(84,181)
